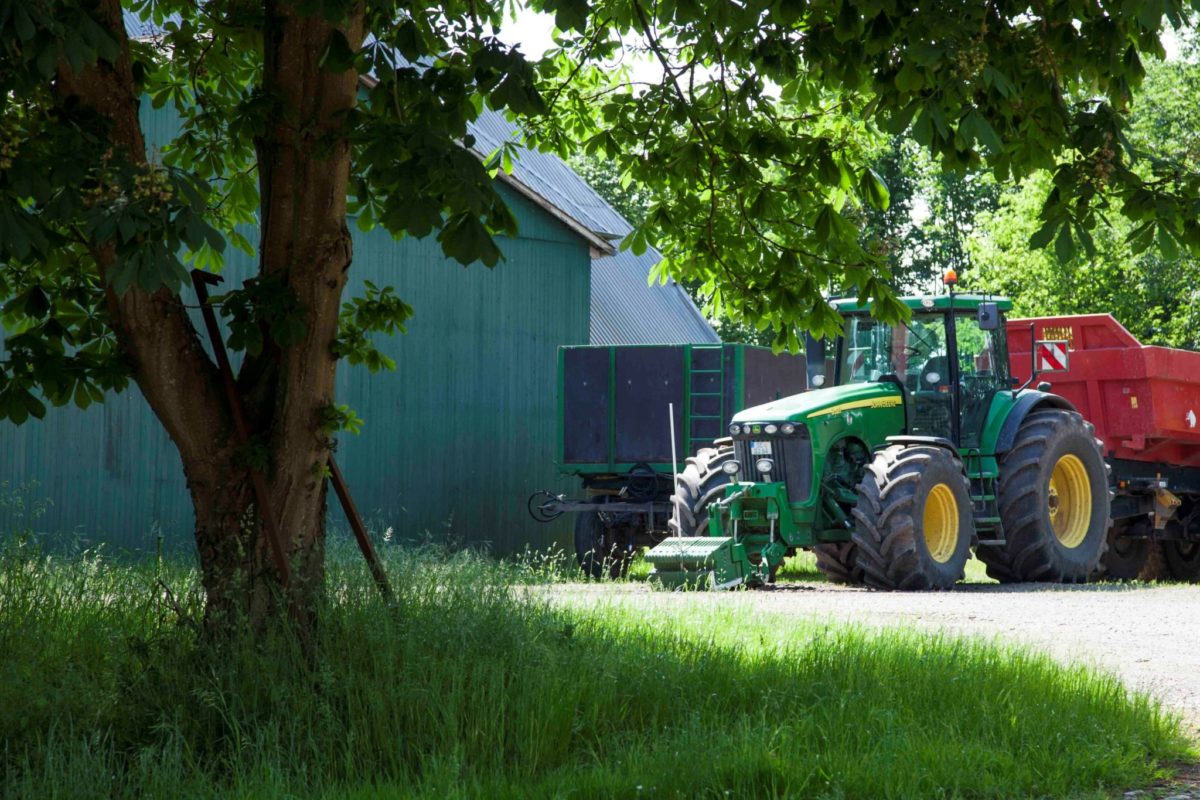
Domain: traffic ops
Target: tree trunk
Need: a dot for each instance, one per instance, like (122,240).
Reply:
(304,168)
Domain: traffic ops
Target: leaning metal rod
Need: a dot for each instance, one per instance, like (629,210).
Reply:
(360,531)
(201,280)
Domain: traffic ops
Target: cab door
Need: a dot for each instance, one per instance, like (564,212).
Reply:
(982,372)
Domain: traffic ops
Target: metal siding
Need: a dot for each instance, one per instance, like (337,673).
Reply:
(454,442)
(464,431)
(625,309)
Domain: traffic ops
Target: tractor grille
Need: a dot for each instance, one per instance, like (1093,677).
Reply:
(793,462)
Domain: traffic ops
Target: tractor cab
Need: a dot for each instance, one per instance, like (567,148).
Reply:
(948,361)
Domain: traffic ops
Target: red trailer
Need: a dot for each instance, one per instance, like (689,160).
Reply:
(1145,404)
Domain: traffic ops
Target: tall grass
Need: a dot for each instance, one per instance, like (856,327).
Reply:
(476,688)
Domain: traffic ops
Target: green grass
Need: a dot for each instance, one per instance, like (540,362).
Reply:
(478,688)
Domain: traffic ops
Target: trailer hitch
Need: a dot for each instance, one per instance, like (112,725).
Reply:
(545,506)
(549,509)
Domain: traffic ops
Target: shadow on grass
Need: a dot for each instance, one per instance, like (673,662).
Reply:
(477,690)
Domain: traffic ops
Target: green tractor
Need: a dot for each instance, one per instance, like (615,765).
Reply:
(915,447)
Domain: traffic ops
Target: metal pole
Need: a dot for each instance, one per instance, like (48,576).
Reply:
(360,531)
(674,468)
(201,280)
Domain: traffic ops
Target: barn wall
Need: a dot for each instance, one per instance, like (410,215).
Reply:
(455,439)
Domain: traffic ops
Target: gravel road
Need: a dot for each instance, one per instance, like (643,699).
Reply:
(1149,635)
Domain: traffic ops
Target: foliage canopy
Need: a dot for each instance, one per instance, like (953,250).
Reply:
(751,142)
(750,145)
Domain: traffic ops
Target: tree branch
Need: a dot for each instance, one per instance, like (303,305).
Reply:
(169,364)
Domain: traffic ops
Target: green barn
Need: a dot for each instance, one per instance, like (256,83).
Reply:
(455,439)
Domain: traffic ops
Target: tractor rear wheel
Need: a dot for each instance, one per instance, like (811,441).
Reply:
(914,524)
(700,483)
(1053,501)
(838,562)
(1128,551)
(600,549)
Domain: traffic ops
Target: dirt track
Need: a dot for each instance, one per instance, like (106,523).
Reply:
(1150,636)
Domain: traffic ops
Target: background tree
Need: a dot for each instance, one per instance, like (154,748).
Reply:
(287,109)
(750,144)
(629,199)
(931,213)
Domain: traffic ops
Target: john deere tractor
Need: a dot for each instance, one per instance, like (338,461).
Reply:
(915,447)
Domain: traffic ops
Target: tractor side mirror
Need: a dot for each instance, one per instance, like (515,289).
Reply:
(988,316)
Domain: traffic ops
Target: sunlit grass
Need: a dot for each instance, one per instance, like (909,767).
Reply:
(803,567)
(476,689)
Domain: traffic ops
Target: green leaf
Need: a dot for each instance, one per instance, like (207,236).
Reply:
(909,78)
(874,189)
(25,28)
(1166,244)
(37,305)
(34,406)
(823,225)
(999,81)
(338,55)
(466,240)
(82,397)
(1044,235)
(1064,245)
(570,14)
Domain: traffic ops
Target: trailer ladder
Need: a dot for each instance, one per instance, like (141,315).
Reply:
(697,440)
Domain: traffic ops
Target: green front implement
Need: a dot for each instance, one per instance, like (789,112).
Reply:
(700,562)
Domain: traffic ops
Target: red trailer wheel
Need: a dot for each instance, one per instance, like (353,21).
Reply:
(1182,559)
(1128,550)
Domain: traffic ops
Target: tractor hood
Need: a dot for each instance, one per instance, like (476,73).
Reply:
(823,402)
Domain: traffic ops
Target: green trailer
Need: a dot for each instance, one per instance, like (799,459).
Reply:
(616,406)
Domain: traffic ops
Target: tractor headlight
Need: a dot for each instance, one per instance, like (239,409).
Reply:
(746,429)
(735,429)
(788,428)
(764,465)
(731,467)
(770,429)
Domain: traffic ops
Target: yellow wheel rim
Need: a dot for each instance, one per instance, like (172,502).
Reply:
(1069,501)
(941,523)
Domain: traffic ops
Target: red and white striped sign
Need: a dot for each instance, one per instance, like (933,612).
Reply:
(1052,356)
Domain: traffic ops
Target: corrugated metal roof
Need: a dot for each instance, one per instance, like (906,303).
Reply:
(624,308)
(137,29)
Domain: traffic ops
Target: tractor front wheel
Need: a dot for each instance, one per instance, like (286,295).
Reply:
(838,562)
(914,524)
(700,483)
(1053,501)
